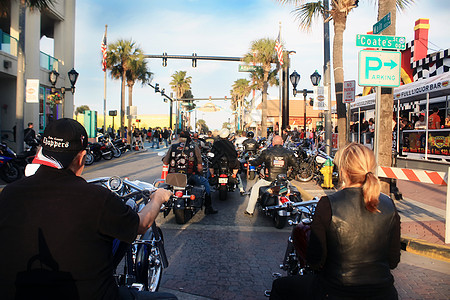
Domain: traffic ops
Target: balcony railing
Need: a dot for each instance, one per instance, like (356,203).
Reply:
(8,43)
(48,62)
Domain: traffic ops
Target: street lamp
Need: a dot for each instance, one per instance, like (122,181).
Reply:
(295,78)
(53,78)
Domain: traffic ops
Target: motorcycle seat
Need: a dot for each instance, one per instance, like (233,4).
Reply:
(263,189)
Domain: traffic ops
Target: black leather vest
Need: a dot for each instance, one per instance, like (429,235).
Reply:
(250,145)
(277,160)
(182,159)
(358,240)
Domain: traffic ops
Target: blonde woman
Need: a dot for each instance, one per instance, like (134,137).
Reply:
(355,238)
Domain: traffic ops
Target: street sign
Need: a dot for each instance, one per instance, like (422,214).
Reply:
(382,24)
(349,91)
(248,68)
(381,41)
(320,97)
(379,68)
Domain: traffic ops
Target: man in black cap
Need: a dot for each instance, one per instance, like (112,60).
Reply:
(185,157)
(57,230)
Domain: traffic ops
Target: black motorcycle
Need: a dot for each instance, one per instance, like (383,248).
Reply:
(278,200)
(140,264)
(187,199)
(223,180)
(122,145)
(12,165)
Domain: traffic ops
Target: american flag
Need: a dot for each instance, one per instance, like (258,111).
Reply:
(279,49)
(103,48)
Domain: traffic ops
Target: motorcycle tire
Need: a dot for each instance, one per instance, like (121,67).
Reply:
(116,153)
(97,156)
(182,215)
(89,159)
(306,172)
(223,193)
(251,175)
(10,172)
(150,269)
(108,155)
(279,221)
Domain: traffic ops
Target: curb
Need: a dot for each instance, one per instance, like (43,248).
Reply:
(425,248)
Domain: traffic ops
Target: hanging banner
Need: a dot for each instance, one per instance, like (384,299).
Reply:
(32,91)
(320,98)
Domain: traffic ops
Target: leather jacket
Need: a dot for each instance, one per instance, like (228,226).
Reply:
(277,160)
(223,147)
(250,145)
(358,241)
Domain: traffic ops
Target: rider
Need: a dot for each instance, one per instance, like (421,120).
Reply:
(277,160)
(223,147)
(185,157)
(250,144)
(60,229)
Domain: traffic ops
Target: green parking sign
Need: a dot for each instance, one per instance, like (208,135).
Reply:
(379,68)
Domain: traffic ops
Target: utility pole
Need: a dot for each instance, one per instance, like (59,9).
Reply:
(327,75)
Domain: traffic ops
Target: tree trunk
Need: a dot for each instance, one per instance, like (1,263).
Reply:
(387,102)
(340,20)
(122,104)
(130,118)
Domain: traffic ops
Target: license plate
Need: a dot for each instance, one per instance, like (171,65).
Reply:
(223,180)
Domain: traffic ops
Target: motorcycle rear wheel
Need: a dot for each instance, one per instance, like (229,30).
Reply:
(182,215)
(306,172)
(279,221)
(223,193)
(251,175)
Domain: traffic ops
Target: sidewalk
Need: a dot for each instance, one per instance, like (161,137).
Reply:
(422,213)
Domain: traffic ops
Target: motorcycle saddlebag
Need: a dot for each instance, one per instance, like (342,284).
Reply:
(199,193)
(268,200)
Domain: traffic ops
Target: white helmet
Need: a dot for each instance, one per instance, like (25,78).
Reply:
(224,133)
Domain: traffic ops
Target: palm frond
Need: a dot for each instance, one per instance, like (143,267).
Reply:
(307,13)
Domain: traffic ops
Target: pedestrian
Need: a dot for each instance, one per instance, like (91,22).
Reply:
(165,136)
(155,138)
(29,135)
(60,243)
(354,238)
(434,121)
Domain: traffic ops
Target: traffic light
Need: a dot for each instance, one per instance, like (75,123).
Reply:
(138,120)
(311,101)
(194,60)
(156,87)
(164,60)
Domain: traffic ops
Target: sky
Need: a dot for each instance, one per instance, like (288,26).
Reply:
(219,28)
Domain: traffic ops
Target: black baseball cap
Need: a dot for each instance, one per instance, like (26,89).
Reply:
(62,140)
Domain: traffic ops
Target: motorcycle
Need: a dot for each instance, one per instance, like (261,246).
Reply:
(223,181)
(12,165)
(310,167)
(187,199)
(121,144)
(141,263)
(101,150)
(246,166)
(294,260)
(89,156)
(278,200)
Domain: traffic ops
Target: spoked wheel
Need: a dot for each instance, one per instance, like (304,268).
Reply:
(89,159)
(279,221)
(149,268)
(306,172)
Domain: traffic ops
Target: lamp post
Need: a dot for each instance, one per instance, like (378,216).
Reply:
(295,78)
(166,97)
(73,77)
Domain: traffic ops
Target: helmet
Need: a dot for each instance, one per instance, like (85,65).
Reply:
(250,134)
(224,133)
(184,134)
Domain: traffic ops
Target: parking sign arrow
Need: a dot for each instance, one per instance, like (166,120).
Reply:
(391,64)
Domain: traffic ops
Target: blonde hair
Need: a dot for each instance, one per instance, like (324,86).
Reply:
(358,163)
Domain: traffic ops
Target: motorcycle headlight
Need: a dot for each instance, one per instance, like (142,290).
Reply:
(115,183)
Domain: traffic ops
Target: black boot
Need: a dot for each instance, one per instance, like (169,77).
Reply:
(209,210)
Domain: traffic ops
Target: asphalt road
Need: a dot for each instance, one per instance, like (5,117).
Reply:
(232,256)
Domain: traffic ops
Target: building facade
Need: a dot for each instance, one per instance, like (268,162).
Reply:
(57,24)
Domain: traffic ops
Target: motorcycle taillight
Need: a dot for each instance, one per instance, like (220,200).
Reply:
(223,175)
(179,194)
(245,165)
(284,199)
(192,197)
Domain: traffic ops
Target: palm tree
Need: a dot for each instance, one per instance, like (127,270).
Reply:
(118,61)
(241,89)
(306,13)
(180,84)
(137,72)
(262,52)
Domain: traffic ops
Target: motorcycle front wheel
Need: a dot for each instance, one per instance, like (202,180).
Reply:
(150,267)
(108,155)
(116,152)
(251,175)
(306,172)
(89,159)
(279,221)
(182,215)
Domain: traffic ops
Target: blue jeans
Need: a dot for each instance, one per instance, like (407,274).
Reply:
(155,142)
(166,142)
(200,180)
